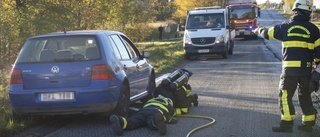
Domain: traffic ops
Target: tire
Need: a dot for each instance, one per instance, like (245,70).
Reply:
(187,57)
(151,89)
(225,53)
(122,107)
(254,37)
(230,51)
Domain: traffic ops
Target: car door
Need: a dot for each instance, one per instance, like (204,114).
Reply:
(141,64)
(129,66)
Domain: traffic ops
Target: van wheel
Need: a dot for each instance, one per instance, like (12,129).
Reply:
(230,51)
(123,102)
(225,54)
(187,57)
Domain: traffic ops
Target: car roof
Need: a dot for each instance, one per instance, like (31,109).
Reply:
(77,32)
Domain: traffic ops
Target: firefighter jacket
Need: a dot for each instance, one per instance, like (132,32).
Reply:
(300,44)
(164,107)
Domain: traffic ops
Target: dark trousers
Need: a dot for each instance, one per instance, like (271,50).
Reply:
(288,86)
(160,35)
(143,118)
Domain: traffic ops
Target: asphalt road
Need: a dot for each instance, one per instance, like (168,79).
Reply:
(240,93)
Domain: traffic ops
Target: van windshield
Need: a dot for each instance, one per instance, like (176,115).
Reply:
(59,49)
(242,13)
(204,21)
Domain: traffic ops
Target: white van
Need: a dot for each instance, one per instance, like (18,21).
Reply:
(207,32)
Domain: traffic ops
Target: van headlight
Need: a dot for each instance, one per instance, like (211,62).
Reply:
(187,40)
(220,39)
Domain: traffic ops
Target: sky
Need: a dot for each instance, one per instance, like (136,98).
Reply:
(263,1)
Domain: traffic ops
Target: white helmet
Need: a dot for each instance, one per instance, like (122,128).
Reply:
(302,4)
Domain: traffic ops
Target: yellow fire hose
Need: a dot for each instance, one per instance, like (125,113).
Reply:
(199,127)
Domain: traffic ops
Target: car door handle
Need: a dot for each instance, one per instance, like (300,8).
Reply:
(125,67)
(137,66)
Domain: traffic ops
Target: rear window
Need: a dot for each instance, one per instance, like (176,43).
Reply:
(59,49)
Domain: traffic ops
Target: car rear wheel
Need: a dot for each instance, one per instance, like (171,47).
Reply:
(123,102)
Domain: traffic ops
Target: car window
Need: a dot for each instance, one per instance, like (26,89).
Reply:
(59,49)
(130,45)
(121,48)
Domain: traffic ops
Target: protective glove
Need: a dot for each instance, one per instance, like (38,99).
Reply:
(259,29)
(172,120)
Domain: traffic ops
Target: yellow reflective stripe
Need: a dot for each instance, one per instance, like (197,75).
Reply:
(184,110)
(271,33)
(317,43)
(186,91)
(298,44)
(308,118)
(157,104)
(298,35)
(162,114)
(296,63)
(307,35)
(177,112)
(285,107)
(125,123)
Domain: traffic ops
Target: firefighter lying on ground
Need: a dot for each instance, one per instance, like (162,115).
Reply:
(176,87)
(154,114)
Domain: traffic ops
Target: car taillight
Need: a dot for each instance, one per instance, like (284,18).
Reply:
(16,77)
(101,72)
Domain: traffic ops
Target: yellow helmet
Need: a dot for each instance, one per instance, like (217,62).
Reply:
(302,4)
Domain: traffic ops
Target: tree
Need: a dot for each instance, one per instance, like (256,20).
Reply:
(182,7)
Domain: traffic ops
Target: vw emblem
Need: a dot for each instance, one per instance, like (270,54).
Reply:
(55,69)
(203,41)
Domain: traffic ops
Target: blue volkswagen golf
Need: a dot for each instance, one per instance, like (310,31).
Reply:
(79,72)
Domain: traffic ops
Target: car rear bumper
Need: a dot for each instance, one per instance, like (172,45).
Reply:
(93,101)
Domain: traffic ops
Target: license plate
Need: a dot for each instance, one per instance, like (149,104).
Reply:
(203,50)
(57,96)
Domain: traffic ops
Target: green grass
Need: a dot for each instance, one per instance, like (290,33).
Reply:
(7,124)
(164,55)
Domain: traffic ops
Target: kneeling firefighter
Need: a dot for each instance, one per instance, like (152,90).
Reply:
(154,114)
(176,87)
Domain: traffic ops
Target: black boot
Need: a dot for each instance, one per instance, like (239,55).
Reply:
(305,128)
(161,125)
(195,99)
(287,129)
(116,124)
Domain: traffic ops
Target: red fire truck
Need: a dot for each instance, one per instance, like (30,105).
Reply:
(243,17)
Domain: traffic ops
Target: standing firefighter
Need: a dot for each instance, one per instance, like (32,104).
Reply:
(154,114)
(301,45)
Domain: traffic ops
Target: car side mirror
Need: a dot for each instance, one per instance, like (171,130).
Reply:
(145,54)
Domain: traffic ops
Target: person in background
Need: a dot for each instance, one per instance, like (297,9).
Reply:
(177,35)
(300,49)
(168,30)
(160,29)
